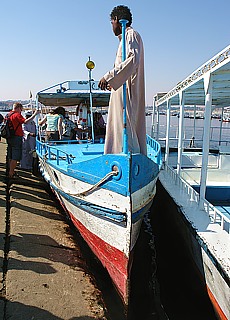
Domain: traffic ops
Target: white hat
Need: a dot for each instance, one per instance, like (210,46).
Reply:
(28,113)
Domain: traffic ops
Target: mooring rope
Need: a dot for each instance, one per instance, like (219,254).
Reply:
(115,172)
(94,187)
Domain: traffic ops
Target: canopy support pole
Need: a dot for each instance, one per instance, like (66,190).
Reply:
(206,138)
(180,138)
(167,131)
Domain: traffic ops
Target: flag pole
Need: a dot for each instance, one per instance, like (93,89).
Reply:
(123,23)
(90,66)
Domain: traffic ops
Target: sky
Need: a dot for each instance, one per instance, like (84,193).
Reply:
(49,41)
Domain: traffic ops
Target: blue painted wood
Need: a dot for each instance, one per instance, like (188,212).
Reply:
(86,162)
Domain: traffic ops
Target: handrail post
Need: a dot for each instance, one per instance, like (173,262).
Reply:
(123,23)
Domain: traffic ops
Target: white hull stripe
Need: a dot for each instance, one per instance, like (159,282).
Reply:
(106,213)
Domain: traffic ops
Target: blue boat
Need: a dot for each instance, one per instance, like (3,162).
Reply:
(105,195)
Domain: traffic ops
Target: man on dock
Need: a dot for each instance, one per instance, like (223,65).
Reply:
(130,71)
(14,143)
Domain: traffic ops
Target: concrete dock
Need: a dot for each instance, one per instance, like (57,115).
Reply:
(42,272)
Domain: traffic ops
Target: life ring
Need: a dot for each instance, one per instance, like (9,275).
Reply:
(82,114)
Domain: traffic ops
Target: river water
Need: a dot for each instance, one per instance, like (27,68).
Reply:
(191,129)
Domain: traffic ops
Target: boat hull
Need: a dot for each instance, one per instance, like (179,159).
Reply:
(209,271)
(110,217)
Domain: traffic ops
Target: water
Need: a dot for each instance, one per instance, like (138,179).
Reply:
(182,291)
(191,129)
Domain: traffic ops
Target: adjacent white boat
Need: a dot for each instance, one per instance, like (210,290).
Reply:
(106,196)
(199,181)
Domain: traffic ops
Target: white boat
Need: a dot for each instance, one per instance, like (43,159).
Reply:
(106,196)
(199,181)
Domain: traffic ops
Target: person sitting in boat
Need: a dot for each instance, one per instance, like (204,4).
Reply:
(53,120)
(99,125)
(69,129)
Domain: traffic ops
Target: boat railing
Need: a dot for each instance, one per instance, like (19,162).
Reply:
(215,215)
(156,147)
(52,152)
(194,136)
(190,143)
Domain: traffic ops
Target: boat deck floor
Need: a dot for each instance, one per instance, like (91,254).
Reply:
(77,152)
(217,174)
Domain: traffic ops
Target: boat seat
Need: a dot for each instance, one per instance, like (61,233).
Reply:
(88,152)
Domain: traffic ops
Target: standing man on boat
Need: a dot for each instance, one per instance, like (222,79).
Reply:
(130,71)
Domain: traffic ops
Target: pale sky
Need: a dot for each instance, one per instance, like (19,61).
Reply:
(49,41)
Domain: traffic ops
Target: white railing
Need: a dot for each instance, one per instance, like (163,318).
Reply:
(215,215)
(215,138)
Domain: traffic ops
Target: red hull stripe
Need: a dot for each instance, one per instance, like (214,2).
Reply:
(214,302)
(216,306)
(112,259)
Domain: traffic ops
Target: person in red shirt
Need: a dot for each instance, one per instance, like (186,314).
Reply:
(14,143)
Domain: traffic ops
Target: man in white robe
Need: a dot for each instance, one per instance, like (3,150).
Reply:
(130,71)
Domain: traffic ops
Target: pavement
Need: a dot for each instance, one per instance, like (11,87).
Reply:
(42,271)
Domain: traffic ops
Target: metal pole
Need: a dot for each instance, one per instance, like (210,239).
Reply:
(153,119)
(180,138)
(167,131)
(123,23)
(91,102)
(206,141)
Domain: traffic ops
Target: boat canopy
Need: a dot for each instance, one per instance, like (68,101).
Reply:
(208,86)
(214,76)
(72,93)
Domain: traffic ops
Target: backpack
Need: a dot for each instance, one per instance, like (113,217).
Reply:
(6,127)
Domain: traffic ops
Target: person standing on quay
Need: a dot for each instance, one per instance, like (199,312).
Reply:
(14,143)
(28,142)
(1,120)
(130,71)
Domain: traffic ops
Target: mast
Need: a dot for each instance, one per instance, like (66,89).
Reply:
(90,66)
(125,136)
